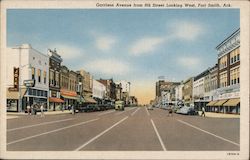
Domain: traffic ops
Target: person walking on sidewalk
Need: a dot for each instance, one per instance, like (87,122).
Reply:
(41,108)
(203,112)
(28,110)
(73,109)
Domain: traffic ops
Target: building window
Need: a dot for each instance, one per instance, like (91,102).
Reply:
(57,79)
(51,78)
(235,56)
(223,62)
(33,72)
(223,79)
(235,76)
(39,75)
(44,77)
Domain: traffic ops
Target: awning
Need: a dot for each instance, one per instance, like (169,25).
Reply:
(70,97)
(211,103)
(220,103)
(232,102)
(89,100)
(56,100)
(14,94)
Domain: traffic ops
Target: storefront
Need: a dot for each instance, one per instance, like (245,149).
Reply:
(35,96)
(13,99)
(55,104)
(70,98)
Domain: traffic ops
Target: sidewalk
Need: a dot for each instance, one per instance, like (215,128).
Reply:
(38,113)
(220,115)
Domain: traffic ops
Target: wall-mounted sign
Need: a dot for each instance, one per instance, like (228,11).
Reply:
(29,83)
(16,78)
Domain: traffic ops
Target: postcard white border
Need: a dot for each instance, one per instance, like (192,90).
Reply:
(67,4)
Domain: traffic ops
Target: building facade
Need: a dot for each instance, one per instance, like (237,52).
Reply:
(68,87)
(55,101)
(188,92)
(27,78)
(200,87)
(228,93)
(179,94)
(125,85)
(110,89)
(99,91)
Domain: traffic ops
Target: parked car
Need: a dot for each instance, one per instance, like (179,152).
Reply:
(87,108)
(187,111)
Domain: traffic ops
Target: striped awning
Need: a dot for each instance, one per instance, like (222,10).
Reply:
(232,102)
(89,100)
(211,103)
(15,94)
(220,103)
(70,97)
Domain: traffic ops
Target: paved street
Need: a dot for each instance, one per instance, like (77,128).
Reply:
(135,129)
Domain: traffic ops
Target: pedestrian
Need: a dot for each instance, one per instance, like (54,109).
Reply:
(170,111)
(28,110)
(32,109)
(41,108)
(73,109)
(203,112)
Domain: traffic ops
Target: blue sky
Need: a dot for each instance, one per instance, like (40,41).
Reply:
(136,45)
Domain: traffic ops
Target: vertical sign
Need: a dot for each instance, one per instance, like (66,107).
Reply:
(16,78)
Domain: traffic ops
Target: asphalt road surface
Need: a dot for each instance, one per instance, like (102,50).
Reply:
(135,129)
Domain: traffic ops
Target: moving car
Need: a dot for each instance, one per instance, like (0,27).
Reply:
(187,111)
(119,105)
(150,107)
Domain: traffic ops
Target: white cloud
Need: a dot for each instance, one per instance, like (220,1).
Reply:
(146,45)
(186,30)
(105,43)
(66,51)
(189,62)
(108,67)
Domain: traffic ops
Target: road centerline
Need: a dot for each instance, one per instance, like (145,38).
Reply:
(56,130)
(219,137)
(125,111)
(135,111)
(158,135)
(44,123)
(99,135)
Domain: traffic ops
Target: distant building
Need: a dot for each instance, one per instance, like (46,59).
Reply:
(118,91)
(99,91)
(165,92)
(26,64)
(110,89)
(125,85)
(179,93)
(87,86)
(199,86)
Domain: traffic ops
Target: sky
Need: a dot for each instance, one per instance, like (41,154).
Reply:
(137,45)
